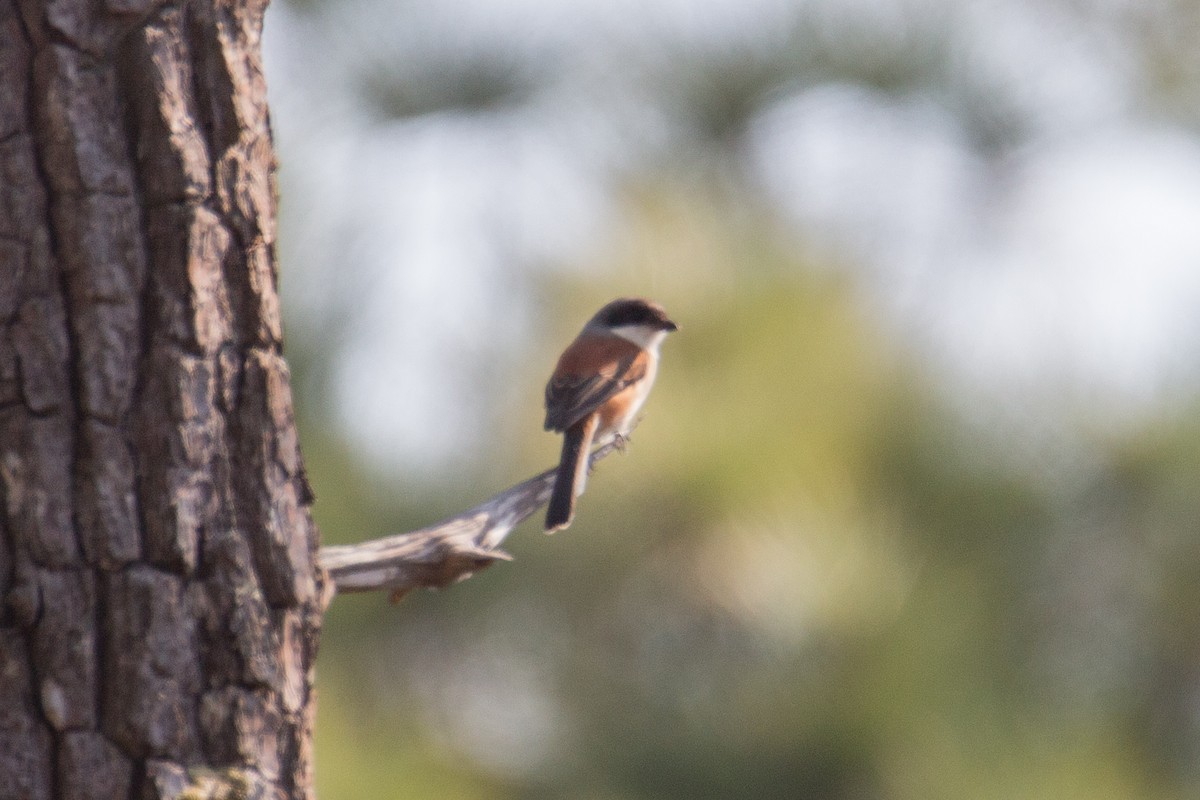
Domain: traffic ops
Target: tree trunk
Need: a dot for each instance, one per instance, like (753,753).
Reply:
(157,558)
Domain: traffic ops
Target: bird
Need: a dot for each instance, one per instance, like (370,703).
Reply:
(597,388)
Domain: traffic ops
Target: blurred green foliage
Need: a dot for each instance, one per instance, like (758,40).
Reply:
(808,578)
(817,573)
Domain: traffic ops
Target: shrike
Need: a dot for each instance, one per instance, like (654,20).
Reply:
(601,381)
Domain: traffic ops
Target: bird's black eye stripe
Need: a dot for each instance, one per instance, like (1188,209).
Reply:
(627,316)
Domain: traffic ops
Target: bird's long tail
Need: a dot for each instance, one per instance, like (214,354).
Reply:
(572,474)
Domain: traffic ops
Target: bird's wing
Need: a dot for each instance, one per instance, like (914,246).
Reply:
(590,371)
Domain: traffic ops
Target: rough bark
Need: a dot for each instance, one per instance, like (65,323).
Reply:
(157,560)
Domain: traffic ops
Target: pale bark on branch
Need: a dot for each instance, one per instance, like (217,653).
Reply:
(444,553)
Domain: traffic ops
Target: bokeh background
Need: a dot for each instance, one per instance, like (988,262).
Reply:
(913,513)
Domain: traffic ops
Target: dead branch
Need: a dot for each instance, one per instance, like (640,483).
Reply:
(444,553)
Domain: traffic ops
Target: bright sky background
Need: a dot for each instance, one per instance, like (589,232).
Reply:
(1060,273)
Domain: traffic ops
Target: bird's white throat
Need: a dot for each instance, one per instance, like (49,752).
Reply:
(644,336)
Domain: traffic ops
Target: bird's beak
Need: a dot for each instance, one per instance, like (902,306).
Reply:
(669,326)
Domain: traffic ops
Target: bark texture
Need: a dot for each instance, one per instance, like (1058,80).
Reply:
(157,560)
(447,552)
